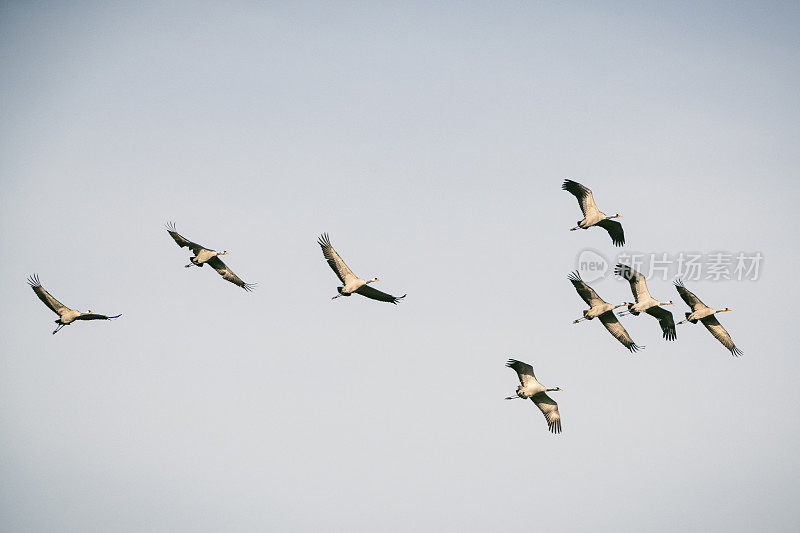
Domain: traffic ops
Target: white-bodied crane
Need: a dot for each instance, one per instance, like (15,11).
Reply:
(531,388)
(351,282)
(203,255)
(592,216)
(599,308)
(705,314)
(66,316)
(646,303)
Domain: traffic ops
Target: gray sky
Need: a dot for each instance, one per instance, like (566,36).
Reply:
(431,142)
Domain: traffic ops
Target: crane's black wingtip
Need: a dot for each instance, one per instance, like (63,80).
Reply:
(398,298)
(33,280)
(555,427)
(678,283)
(575,189)
(249,286)
(324,240)
(574,276)
(171,226)
(736,352)
(635,347)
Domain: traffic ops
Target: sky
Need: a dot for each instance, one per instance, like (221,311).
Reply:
(430,141)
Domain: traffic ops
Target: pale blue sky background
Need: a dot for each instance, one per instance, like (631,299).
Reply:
(431,142)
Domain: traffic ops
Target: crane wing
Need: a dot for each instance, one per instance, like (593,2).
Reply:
(583,194)
(689,297)
(375,294)
(614,229)
(636,280)
(182,241)
(612,324)
(665,320)
(338,266)
(524,371)
(56,306)
(585,291)
(549,409)
(223,270)
(712,324)
(95,316)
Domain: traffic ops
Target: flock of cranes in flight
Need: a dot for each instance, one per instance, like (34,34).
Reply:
(529,387)
(643,301)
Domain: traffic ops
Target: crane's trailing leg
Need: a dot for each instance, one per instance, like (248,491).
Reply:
(629,311)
